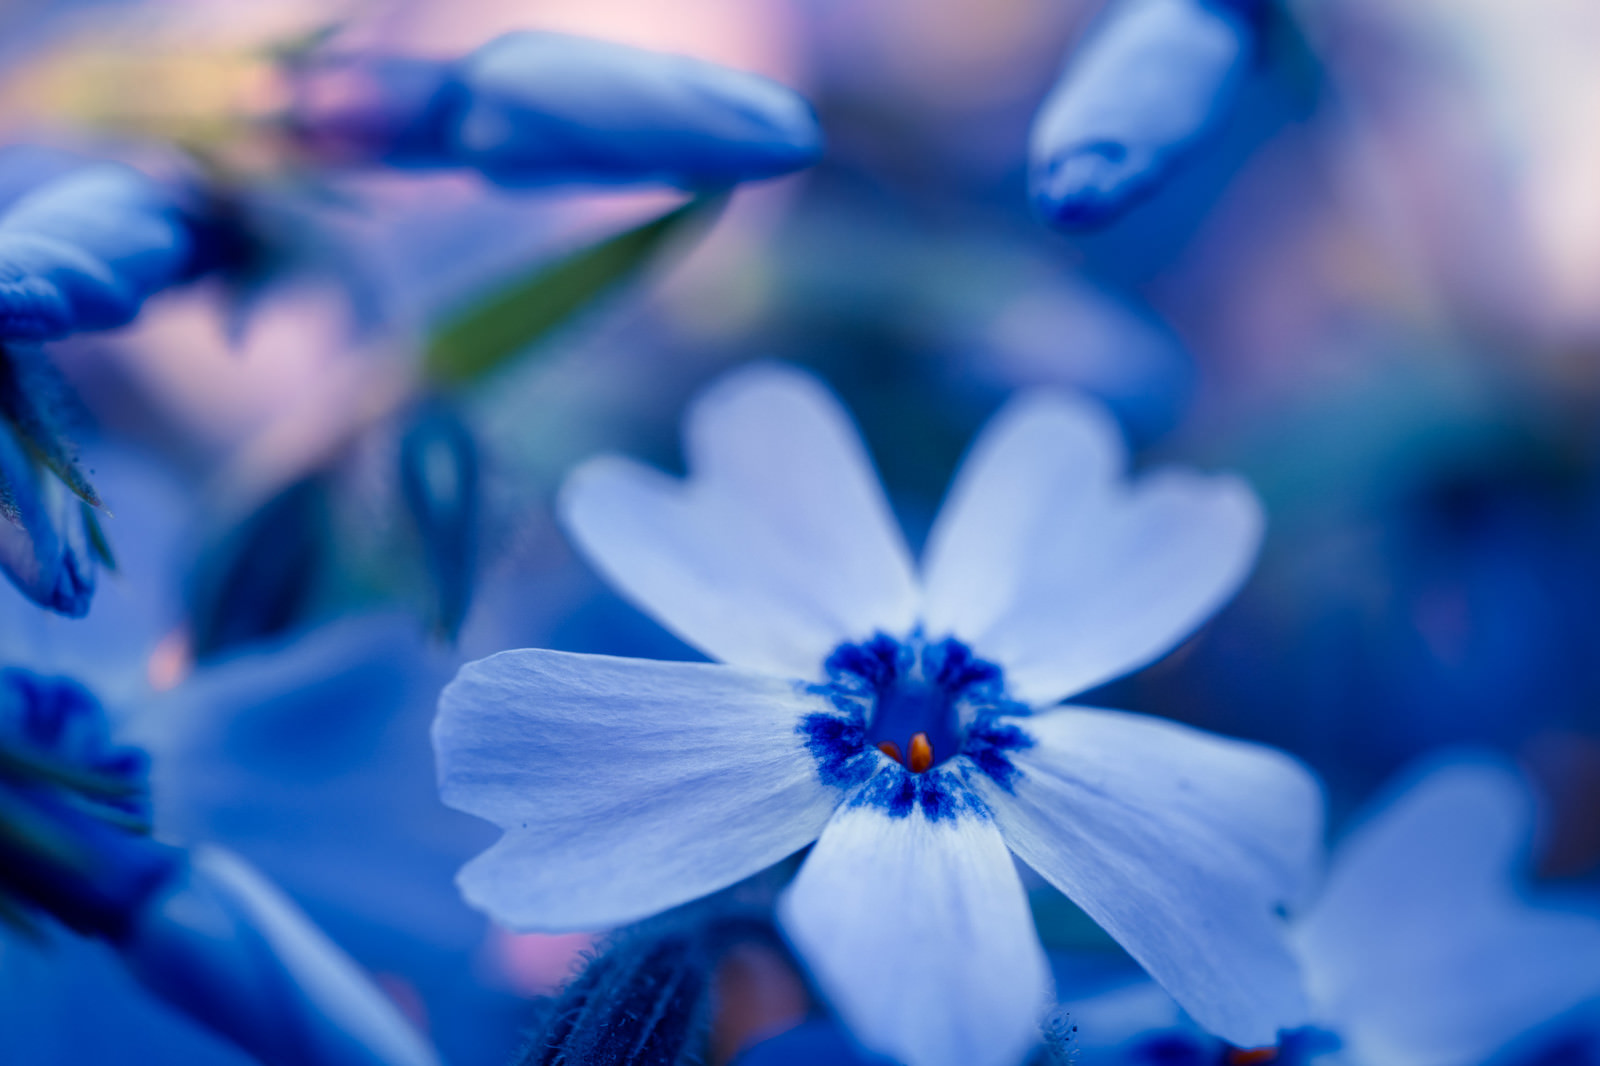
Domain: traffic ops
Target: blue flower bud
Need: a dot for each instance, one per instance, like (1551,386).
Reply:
(83,251)
(1150,82)
(68,800)
(61,720)
(44,544)
(439,480)
(544,108)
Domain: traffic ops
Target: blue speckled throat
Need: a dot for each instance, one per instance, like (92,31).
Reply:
(913,720)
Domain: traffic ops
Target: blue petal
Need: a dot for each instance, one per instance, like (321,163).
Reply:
(1186,847)
(85,250)
(1153,78)
(625,786)
(1422,951)
(919,933)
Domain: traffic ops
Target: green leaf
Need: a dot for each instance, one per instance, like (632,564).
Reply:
(486,336)
(99,543)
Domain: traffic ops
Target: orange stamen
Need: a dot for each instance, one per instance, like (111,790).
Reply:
(1251,1056)
(921,753)
(891,749)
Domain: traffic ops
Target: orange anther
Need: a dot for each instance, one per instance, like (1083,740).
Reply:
(921,753)
(1251,1056)
(891,749)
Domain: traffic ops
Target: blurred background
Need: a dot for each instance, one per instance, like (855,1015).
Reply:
(1375,292)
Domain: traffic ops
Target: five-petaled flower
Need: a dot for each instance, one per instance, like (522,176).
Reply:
(907,725)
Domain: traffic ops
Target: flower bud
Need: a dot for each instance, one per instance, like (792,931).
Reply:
(544,108)
(1151,80)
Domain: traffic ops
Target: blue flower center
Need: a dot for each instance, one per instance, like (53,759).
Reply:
(903,691)
(916,717)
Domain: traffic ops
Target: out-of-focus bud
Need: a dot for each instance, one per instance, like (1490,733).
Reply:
(223,945)
(546,108)
(1153,78)
(44,542)
(257,579)
(60,718)
(439,480)
(84,251)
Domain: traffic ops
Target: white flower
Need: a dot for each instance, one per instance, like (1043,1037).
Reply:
(1424,948)
(628,786)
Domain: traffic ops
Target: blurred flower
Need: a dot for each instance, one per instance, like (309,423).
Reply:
(202,930)
(60,718)
(309,756)
(1152,79)
(1422,950)
(544,108)
(628,786)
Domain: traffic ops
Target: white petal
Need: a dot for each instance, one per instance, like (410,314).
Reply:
(1421,952)
(919,933)
(1182,845)
(1047,562)
(625,786)
(779,546)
